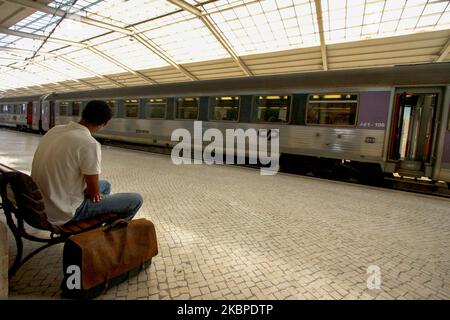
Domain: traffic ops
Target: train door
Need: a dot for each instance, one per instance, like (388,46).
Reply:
(51,116)
(29,114)
(47,114)
(414,130)
(36,115)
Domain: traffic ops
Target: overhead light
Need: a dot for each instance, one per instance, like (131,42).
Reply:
(332,96)
(273,97)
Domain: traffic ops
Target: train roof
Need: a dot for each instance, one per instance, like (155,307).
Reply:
(383,77)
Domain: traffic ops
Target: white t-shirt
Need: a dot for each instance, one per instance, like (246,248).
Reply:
(65,154)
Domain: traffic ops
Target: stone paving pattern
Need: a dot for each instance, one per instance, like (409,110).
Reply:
(226,232)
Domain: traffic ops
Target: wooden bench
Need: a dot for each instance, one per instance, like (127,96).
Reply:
(22,203)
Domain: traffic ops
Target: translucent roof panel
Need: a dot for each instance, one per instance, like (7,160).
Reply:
(43,74)
(186,40)
(65,68)
(7,55)
(132,53)
(7,40)
(26,43)
(38,23)
(76,31)
(93,61)
(30,75)
(131,11)
(13,79)
(42,23)
(364,19)
(69,5)
(266,25)
(247,27)
(32,45)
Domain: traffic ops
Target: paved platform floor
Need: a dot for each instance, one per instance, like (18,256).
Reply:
(227,232)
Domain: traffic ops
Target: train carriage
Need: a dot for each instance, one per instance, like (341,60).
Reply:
(382,120)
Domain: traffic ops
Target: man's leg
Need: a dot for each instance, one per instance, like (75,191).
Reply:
(125,205)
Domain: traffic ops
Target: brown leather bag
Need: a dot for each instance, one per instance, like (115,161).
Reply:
(106,256)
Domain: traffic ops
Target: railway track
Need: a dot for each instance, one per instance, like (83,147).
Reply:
(438,189)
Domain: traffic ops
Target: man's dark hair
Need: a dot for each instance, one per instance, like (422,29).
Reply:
(97,112)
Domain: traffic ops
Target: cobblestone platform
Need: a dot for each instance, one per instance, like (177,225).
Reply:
(227,232)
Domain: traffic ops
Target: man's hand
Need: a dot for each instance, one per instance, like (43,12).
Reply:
(92,190)
(98,197)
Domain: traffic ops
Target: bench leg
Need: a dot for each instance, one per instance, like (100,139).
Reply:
(19,245)
(31,255)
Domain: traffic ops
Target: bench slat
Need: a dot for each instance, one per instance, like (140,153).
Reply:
(32,194)
(37,206)
(78,226)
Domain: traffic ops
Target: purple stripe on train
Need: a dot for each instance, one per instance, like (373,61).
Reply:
(374,109)
(446,155)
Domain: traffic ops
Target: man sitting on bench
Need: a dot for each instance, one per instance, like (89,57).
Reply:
(66,168)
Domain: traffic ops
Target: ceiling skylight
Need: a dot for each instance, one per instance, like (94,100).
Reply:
(364,19)
(145,34)
(267,25)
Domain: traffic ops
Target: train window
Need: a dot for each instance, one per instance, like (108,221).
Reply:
(272,108)
(332,109)
(113,105)
(131,108)
(155,108)
(224,108)
(23,108)
(20,108)
(187,108)
(76,107)
(63,105)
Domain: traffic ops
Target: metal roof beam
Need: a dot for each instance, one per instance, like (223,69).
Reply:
(212,28)
(187,6)
(323,46)
(226,46)
(444,52)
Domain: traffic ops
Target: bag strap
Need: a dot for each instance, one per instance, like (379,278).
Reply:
(118,224)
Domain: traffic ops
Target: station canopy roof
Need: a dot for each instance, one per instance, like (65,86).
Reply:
(71,45)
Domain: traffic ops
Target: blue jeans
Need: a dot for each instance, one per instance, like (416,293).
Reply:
(125,205)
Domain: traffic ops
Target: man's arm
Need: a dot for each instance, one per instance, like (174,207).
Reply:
(92,189)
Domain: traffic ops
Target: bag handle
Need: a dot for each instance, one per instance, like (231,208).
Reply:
(118,224)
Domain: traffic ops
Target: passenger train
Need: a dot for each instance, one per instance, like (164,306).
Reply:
(378,121)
